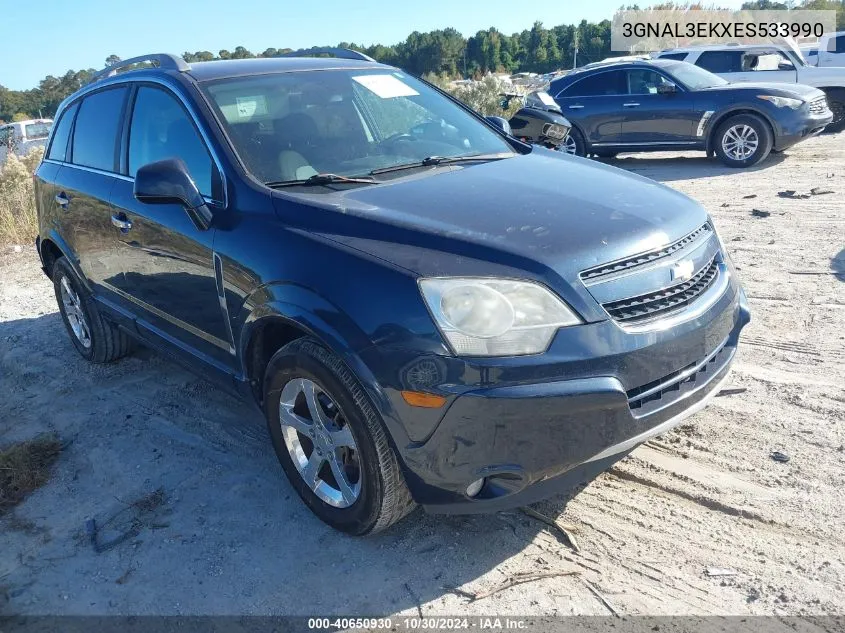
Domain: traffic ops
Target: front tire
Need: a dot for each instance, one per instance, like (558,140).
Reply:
(742,140)
(836,103)
(95,338)
(331,442)
(574,144)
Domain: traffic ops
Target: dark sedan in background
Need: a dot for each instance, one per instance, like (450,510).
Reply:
(660,105)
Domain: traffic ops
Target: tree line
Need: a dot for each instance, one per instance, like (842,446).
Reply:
(444,52)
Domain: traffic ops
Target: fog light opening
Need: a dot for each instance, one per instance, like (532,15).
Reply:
(475,487)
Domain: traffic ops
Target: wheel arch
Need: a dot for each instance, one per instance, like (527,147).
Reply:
(291,312)
(716,121)
(49,252)
(273,325)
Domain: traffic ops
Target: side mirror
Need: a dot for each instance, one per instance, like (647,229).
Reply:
(667,88)
(501,123)
(168,182)
(786,65)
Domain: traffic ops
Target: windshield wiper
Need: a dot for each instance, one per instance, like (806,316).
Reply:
(321,179)
(430,161)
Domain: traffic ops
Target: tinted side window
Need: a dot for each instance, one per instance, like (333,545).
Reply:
(161,128)
(58,146)
(678,57)
(643,81)
(601,84)
(720,61)
(97,129)
(838,44)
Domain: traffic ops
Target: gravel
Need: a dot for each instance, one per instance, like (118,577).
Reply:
(227,535)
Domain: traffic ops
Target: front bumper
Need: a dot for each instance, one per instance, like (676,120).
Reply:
(800,125)
(531,439)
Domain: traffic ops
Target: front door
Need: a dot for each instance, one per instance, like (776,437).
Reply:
(655,118)
(167,261)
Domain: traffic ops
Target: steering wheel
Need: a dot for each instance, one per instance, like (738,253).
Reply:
(400,137)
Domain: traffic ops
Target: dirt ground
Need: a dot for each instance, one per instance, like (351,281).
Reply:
(198,518)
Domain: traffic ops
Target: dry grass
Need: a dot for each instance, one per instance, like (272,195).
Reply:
(25,467)
(18,218)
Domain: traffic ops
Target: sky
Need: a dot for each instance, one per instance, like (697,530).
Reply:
(53,36)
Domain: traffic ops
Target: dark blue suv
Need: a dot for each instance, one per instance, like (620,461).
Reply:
(660,105)
(426,310)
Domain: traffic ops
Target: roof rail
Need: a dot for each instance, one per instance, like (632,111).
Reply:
(341,53)
(164,60)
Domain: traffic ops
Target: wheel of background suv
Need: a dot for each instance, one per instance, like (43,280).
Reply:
(742,140)
(836,103)
(93,337)
(574,144)
(331,441)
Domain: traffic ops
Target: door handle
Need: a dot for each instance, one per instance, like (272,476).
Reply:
(630,105)
(576,107)
(121,222)
(62,200)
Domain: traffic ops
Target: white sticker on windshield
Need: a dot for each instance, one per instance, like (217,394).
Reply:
(386,86)
(546,98)
(249,107)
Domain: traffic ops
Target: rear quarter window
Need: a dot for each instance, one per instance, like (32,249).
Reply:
(58,146)
(37,130)
(720,61)
(97,129)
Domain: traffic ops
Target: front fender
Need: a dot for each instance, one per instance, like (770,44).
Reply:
(313,314)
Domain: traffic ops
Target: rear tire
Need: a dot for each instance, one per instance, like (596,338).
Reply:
(742,140)
(355,484)
(95,338)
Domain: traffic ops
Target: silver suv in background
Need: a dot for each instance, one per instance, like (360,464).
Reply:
(22,136)
(773,63)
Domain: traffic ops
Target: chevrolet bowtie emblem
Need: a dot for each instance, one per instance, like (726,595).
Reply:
(682,270)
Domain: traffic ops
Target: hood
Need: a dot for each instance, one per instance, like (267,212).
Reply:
(544,212)
(772,88)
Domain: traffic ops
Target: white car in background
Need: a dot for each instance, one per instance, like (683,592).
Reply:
(22,136)
(780,63)
(831,50)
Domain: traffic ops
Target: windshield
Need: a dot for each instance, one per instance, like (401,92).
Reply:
(291,126)
(38,130)
(692,77)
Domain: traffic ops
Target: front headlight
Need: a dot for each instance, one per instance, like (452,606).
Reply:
(495,317)
(782,102)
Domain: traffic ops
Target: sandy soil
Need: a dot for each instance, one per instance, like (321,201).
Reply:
(227,535)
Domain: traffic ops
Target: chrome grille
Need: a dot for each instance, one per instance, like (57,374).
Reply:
(818,105)
(605,270)
(654,305)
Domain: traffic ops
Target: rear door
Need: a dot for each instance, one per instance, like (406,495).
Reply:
(653,118)
(53,215)
(596,104)
(84,183)
(168,276)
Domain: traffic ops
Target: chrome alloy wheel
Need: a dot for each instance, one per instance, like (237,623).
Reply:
(740,142)
(320,442)
(75,314)
(568,146)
